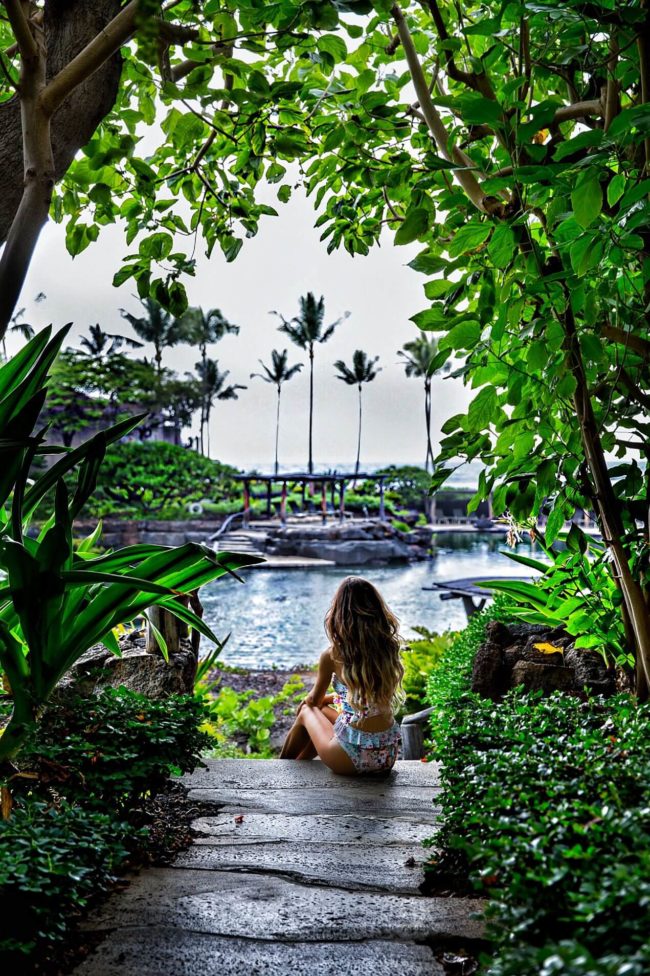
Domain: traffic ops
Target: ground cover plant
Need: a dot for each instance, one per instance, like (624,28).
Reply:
(82,793)
(240,722)
(545,811)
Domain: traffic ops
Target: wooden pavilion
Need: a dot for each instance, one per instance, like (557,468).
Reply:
(327,483)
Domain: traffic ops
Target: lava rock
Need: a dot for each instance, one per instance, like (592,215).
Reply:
(542,677)
(487,671)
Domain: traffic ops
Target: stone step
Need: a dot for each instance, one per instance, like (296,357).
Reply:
(139,951)
(259,906)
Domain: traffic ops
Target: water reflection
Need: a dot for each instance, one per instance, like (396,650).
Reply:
(276,618)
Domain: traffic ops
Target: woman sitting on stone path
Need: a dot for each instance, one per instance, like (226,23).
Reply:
(354,730)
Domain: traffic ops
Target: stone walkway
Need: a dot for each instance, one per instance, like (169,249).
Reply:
(298,872)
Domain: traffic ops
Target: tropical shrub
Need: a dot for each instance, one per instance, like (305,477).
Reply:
(158,480)
(544,808)
(574,591)
(57,600)
(53,860)
(116,747)
(420,658)
(240,718)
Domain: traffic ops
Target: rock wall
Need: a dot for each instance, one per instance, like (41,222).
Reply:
(350,543)
(508,658)
(118,532)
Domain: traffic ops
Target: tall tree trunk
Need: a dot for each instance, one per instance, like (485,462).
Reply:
(356,467)
(207,427)
(310,466)
(607,507)
(427,417)
(33,158)
(277,431)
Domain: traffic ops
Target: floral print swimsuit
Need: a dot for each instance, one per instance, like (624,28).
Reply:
(371,752)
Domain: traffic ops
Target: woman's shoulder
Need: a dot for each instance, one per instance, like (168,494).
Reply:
(326,660)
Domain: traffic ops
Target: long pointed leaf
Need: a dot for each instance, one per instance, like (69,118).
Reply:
(69,461)
(192,619)
(81,577)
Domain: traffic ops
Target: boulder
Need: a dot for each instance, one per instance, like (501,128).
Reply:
(541,677)
(354,553)
(137,670)
(591,672)
(487,671)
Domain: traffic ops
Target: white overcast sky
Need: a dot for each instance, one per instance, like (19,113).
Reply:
(284,261)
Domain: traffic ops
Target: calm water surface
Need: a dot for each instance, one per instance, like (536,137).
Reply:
(276,617)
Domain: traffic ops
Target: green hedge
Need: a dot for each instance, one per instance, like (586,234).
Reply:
(546,801)
(75,823)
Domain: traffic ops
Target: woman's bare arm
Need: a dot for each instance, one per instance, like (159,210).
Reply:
(316,696)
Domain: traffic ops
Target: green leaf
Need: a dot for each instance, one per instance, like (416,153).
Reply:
(483,410)
(415,224)
(469,238)
(464,335)
(554,523)
(587,200)
(502,245)
(615,188)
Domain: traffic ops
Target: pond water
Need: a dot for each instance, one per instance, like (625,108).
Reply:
(276,618)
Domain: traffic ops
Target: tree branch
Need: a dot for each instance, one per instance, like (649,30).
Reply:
(477,81)
(633,342)
(100,49)
(643,47)
(467,180)
(22,32)
(643,399)
(612,101)
(578,110)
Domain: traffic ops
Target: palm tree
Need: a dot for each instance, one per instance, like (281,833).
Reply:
(363,371)
(25,329)
(305,330)
(278,374)
(157,326)
(213,387)
(99,343)
(419,355)
(202,328)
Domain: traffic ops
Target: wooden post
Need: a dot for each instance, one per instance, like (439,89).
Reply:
(382,507)
(323,502)
(247,504)
(342,501)
(268,497)
(283,504)
(171,628)
(413,734)
(333,493)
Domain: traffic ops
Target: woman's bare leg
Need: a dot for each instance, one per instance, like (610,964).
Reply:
(321,733)
(310,752)
(298,744)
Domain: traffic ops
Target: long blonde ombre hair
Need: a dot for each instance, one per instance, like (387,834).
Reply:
(365,639)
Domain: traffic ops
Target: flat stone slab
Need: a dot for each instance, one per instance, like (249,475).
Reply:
(155,951)
(253,906)
(410,801)
(397,868)
(329,828)
(298,872)
(278,774)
